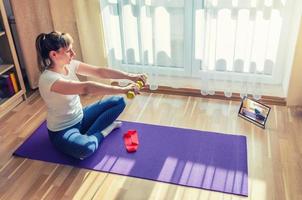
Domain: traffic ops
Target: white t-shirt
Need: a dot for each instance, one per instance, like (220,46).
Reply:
(63,110)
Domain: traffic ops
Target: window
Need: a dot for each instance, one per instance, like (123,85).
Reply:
(226,39)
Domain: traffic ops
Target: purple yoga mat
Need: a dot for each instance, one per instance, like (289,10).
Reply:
(200,159)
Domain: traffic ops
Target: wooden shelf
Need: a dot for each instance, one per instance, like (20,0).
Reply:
(3,100)
(5,68)
(9,55)
(12,98)
(11,102)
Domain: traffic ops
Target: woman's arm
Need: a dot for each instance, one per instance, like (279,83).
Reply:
(67,87)
(100,72)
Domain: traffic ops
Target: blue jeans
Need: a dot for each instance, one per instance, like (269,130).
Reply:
(83,139)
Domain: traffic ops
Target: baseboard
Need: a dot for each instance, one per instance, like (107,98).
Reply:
(218,95)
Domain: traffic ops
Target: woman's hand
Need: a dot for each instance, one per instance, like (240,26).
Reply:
(131,87)
(138,77)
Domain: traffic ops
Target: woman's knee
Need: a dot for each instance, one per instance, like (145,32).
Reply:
(79,146)
(86,146)
(122,102)
(118,100)
(86,151)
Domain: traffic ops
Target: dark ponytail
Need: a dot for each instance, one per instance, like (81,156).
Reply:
(47,42)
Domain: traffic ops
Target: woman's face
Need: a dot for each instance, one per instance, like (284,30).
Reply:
(66,54)
(63,56)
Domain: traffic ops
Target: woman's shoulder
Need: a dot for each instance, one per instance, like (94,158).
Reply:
(47,77)
(74,64)
(48,73)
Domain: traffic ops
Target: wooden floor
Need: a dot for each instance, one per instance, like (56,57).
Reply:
(274,154)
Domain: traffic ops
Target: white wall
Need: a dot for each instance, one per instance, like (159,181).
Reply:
(294,95)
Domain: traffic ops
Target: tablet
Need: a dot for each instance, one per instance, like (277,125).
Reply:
(254,111)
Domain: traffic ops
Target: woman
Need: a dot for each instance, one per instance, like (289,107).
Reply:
(74,130)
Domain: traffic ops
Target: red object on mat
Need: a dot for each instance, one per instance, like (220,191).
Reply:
(131,140)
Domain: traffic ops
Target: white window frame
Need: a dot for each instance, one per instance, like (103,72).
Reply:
(277,75)
(191,68)
(184,71)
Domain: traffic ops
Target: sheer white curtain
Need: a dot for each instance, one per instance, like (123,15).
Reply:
(146,36)
(225,45)
(239,44)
